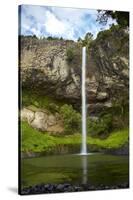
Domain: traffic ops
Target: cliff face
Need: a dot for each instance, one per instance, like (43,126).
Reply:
(109,58)
(45,66)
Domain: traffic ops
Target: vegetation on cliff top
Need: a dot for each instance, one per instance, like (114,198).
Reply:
(122,18)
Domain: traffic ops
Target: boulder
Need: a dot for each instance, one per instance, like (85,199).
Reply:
(27,115)
(40,121)
(43,120)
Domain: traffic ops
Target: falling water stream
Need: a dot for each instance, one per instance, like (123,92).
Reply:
(84,144)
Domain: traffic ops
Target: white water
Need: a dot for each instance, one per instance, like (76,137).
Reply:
(84,144)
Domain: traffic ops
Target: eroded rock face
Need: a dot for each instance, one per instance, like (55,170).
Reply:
(43,120)
(44,66)
(27,115)
(40,121)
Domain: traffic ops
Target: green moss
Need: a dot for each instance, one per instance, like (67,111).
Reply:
(100,127)
(37,100)
(34,141)
(115,140)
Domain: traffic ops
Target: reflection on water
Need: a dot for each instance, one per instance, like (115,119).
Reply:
(84,167)
(93,169)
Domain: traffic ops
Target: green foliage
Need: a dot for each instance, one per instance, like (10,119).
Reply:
(107,33)
(79,39)
(114,118)
(36,141)
(122,18)
(33,140)
(120,113)
(87,39)
(37,100)
(28,36)
(52,38)
(103,34)
(70,55)
(115,140)
(100,127)
(71,118)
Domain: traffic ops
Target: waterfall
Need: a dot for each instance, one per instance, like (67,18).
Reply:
(84,144)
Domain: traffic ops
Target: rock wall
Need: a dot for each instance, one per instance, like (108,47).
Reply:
(44,66)
(43,120)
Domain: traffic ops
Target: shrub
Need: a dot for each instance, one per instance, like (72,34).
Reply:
(39,100)
(103,34)
(100,127)
(71,118)
(70,54)
(52,38)
(120,113)
(52,107)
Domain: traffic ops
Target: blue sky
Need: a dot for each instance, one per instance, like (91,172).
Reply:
(69,23)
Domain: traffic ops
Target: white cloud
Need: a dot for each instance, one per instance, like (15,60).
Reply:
(69,23)
(53,25)
(73,15)
(38,12)
(56,27)
(35,32)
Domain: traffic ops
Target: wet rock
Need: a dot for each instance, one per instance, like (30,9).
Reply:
(60,187)
(54,188)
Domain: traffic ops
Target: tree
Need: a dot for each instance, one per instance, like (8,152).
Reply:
(88,36)
(71,118)
(122,18)
(79,39)
(87,39)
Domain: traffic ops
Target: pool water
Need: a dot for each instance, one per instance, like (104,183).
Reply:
(93,169)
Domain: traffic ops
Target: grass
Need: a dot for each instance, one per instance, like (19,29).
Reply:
(115,140)
(33,140)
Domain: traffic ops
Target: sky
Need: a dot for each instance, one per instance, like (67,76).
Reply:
(68,23)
